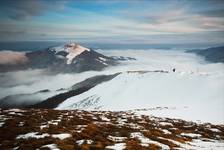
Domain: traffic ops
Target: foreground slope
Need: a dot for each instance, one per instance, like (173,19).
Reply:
(67,130)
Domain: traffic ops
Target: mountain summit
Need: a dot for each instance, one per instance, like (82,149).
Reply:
(71,50)
(70,57)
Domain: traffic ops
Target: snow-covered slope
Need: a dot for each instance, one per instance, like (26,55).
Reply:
(193,92)
(186,95)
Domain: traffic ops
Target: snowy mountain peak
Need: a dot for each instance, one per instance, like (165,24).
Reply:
(75,46)
(72,50)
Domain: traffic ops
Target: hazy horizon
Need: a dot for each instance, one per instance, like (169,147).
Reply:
(41,45)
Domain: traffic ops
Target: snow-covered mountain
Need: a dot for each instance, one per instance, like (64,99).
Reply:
(69,51)
(70,57)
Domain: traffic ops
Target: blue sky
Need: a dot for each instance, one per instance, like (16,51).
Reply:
(118,21)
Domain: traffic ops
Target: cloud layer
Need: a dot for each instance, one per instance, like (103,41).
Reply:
(10,57)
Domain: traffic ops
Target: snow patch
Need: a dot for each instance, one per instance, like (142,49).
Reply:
(146,141)
(166,124)
(198,144)
(192,135)
(80,142)
(44,126)
(103,59)
(117,146)
(35,135)
(1,124)
(104,118)
(51,146)
(21,124)
(166,131)
(215,130)
(116,138)
(61,136)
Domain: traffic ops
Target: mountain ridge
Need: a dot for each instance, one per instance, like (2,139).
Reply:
(68,58)
(212,54)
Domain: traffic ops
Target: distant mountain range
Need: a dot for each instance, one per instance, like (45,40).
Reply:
(213,54)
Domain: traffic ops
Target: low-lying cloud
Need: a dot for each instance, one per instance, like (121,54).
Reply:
(10,57)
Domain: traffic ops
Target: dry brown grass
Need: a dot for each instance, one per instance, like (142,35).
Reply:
(96,129)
